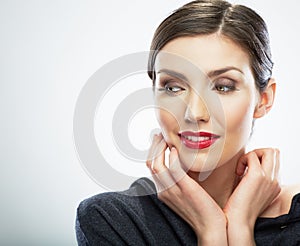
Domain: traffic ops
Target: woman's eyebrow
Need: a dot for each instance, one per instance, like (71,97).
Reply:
(217,72)
(210,74)
(173,74)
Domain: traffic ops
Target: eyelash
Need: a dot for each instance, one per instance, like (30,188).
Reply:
(224,88)
(167,86)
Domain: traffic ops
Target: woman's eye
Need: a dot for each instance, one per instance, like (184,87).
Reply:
(173,89)
(225,88)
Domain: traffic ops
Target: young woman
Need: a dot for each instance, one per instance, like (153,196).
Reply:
(211,68)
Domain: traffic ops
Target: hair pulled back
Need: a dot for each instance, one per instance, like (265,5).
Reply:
(203,17)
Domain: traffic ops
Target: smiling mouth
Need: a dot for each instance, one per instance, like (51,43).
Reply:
(198,140)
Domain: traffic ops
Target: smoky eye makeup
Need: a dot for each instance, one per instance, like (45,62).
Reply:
(170,85)
(224,85)
(163,79)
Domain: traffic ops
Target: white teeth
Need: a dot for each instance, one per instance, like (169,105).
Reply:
(196,139)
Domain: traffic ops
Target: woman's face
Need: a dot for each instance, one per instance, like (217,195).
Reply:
(206,98)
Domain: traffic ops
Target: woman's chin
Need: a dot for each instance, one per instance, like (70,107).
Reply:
(199,162)
(199,166)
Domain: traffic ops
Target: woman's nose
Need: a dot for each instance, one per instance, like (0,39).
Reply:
(196,109)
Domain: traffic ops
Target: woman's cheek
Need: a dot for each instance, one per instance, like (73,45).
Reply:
(169,113)
(239,119)
(167,122)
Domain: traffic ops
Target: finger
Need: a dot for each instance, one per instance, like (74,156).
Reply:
(151,154)
(248,161)
(158,161)
(157,181)
(176,170)
(184,182)
(165,182)
(160,172)
(270,161)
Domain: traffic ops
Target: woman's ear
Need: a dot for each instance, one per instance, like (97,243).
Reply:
(266,100)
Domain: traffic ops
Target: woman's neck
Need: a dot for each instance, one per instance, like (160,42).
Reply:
(221,182)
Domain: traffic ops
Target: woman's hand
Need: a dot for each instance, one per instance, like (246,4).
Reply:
(185,196)
(257,189)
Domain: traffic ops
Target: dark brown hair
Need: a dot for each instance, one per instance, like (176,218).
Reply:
(237,22)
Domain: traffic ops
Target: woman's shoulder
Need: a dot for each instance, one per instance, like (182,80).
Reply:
(284,202)
(287,197)
(142,187)
(280,223)
(133,215)
(114,216)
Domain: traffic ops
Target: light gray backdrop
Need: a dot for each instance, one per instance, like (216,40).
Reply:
(48,50)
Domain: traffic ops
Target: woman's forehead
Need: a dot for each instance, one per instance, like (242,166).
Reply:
(205,52)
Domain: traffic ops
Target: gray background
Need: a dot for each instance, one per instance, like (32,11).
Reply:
(48,50)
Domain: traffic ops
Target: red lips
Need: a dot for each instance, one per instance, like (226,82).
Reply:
(198,140)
